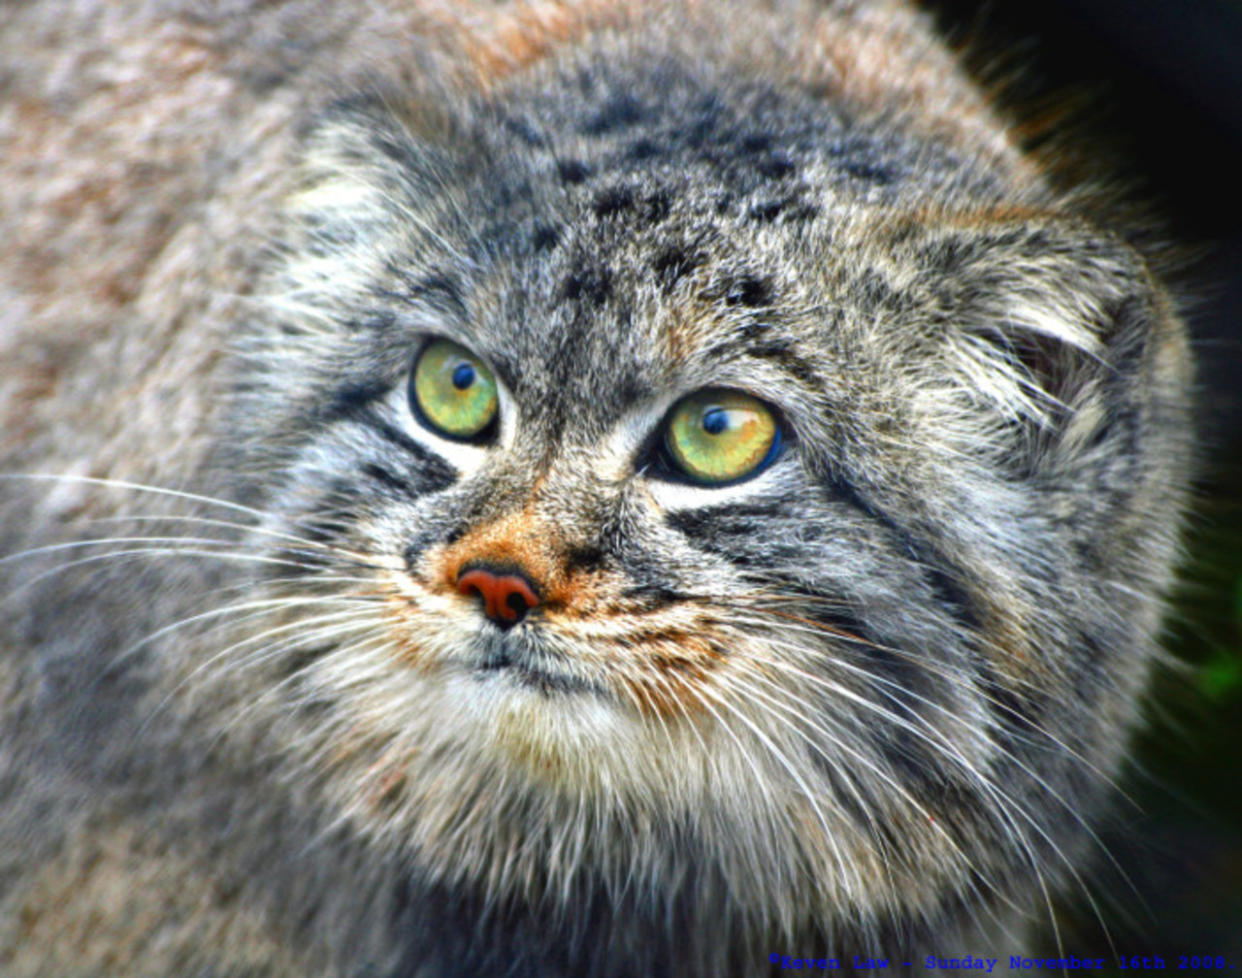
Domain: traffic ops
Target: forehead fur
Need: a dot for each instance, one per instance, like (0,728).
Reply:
(633,231)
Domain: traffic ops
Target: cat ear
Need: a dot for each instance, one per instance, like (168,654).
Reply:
(367,185)
(1071,356)
(358,161)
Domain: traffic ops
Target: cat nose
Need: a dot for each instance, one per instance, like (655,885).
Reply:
(507,594)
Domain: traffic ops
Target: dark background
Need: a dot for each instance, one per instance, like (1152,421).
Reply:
(1157,86)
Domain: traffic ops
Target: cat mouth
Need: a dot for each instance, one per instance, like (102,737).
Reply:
(530,666)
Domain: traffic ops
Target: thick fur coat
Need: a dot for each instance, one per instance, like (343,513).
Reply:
(868,695)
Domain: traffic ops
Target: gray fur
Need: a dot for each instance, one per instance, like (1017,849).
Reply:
(871,700)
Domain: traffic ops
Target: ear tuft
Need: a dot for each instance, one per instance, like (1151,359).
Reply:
(1061,334)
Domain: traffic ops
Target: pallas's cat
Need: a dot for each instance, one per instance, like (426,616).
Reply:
(611,488)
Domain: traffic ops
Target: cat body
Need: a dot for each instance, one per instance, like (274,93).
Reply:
(299,678)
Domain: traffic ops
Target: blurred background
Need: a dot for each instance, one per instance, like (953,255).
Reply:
(1157,84)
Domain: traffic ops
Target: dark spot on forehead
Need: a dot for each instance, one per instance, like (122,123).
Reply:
(644,149)
(524,129)
(616,113)
(674,263)
(589,282)
(768,210)
(613,200)
(773,349)
(871,172)
(656,206)
(751,291)
(544,237)
(776,166)
(624,201)
(572,171)
(790,209)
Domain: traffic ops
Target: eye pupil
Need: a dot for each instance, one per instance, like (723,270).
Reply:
(463,376)
(715,420)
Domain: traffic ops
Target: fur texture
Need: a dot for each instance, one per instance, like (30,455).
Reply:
(870,699)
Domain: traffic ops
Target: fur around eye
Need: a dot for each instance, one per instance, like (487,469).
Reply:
(717,437)
(453,393)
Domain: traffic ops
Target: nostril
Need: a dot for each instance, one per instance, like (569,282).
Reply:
(518,604)
(507,597)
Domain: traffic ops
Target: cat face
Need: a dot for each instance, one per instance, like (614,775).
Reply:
(728,509)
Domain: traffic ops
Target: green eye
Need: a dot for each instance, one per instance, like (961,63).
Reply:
(452,391)
(719,436)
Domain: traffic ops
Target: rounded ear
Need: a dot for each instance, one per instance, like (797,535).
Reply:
(367,184)
(1061,336)
(358,160)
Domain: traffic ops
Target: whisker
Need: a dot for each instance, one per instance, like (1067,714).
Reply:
(314,635)
(274,690)
(108,541)
(963,684)
(137,487)
(247,528)
(157,552)
(775,752)
(161,491)
(869,764)
(979,778)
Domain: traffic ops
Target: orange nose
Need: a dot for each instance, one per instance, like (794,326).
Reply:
(506,596)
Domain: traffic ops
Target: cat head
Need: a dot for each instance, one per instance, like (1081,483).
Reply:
(731,490)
